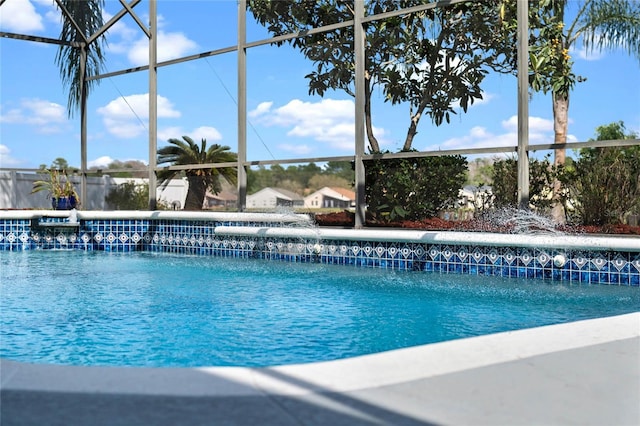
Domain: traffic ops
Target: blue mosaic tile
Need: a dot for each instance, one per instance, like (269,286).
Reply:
(198,238)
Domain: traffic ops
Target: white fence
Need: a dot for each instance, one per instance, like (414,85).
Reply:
(15,191)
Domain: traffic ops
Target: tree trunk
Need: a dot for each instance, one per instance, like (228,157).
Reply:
(195,193)
(374,146)
(411,133)
(560,127)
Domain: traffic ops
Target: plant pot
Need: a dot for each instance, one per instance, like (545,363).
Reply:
(64,203)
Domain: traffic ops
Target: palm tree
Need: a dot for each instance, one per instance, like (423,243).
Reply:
(79,59)
(187,152)
(601,25)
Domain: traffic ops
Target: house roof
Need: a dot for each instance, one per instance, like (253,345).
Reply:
(280,193)
(335,192)
(349,194)
(289,194)
(222,196)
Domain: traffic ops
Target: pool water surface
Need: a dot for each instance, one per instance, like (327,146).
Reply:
(145,309)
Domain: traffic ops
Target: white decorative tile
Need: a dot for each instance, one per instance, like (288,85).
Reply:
(544,259)
(619,262)
(447,253)
(477,254)
(509,256)
(462,253)
(580,261)
(599,262)
(434,252)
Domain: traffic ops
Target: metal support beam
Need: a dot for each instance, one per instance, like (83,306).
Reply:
(39,39)
(135,18)
(153,101)
(359,51)
(242,104)
(83,125)
(523,104)
(115,18)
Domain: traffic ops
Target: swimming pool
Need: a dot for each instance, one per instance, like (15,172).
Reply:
(158,309)
(293,238)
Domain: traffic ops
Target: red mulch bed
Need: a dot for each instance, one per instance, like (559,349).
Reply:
(347,219)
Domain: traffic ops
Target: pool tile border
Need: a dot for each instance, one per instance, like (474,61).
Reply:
(206,238)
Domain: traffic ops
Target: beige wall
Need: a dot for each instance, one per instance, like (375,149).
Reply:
(15,191)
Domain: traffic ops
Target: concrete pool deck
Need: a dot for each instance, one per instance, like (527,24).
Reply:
(585,372)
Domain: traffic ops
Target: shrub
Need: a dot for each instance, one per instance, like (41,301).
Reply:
(505,183)
(413,188)
(129,196)
(604,185)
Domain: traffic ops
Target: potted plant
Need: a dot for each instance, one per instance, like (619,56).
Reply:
(60,189)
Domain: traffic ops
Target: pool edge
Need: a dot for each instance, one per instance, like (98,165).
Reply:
(345,375)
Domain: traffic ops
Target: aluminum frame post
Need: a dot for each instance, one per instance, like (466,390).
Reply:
(242,104)
(153,102)
(83,126)
(523,104)
(359,51)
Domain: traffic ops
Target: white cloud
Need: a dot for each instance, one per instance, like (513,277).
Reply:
(6,159)
(486,98)
(45,116)
(262,108)
(128,117)
(104,161)
(170,46)
(131,41)
(51,11)
(587,55)
(100,162)
(540,132)
(167,133)
(536,124)
(20,16)
(211,134)
(120,35)
(329,121)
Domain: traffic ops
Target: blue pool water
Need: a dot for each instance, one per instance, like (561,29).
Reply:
(143,309)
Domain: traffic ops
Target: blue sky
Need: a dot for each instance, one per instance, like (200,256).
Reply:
(198,98)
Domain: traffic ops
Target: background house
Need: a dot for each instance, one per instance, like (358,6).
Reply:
(474,197)
(331,198)
(269,198)
(222,200)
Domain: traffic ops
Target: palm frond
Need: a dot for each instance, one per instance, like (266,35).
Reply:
(612,24)
(187,151)
(87,14)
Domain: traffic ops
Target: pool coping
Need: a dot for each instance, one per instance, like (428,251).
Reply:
(301,226)
(557,241)
(345,375)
